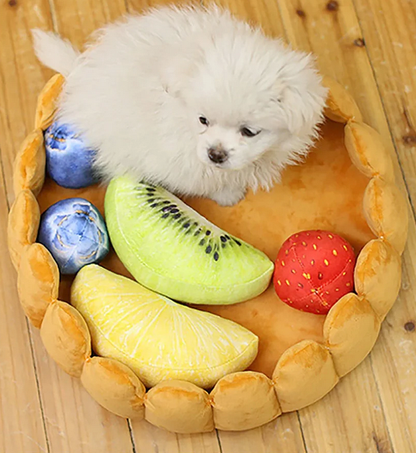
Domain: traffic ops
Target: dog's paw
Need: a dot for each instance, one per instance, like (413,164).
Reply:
(228,197)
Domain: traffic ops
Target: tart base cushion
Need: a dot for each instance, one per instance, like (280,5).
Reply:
(325,192)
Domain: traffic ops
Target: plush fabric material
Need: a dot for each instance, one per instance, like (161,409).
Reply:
(179,406)
(184,260)
(340,107)
(156,337)
(304,374)
(68,160)
(367,151)
(29,165)
(75,233)
(37,282)
(386,212)
(326,192)
(45,109)
(114,386)
(351,329)
(241,400)
(313,270)
(378,275)
(23,225)
(66,337)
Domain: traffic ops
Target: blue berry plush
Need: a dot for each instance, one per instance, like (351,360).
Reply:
(74,231)
(69,162)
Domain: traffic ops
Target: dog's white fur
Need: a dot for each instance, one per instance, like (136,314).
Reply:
(137,95)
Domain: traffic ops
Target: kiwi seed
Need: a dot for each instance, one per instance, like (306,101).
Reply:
(213,245)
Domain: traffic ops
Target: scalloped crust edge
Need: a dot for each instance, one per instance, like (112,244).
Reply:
(305,373)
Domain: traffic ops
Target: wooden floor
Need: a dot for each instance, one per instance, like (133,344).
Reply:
(370,47)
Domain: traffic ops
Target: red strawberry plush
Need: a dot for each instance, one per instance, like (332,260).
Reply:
(314,269)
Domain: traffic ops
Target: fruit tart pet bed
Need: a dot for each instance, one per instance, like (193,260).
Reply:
(346,185)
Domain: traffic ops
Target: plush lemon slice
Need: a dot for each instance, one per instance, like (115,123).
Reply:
(157,338)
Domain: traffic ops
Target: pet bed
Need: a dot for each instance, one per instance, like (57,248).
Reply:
(346,185)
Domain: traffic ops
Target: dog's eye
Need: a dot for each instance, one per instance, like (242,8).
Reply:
(203,120)
(248,132)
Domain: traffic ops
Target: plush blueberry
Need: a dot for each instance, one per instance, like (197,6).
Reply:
(68,160)
(74,232)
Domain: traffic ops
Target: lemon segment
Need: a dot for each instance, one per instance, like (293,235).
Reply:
(157,338)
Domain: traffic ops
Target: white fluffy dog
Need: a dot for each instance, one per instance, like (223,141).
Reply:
(191,99)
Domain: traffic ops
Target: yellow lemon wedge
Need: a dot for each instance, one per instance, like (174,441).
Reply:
(156,337)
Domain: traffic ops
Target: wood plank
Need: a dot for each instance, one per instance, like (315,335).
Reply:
(21,76)
(74,422)
(388,31)
(21,422)
(281,435)
(393,361)
(331,30)
(149,439)
(389,34)
(77,19)
(140,6)
(263,12)
(350,418)
(332,34)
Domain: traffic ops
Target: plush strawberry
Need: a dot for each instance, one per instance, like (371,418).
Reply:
(314,269)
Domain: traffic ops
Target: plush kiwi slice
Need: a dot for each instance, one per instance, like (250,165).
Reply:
(171,249)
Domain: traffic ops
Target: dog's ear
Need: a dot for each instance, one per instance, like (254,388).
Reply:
(301,107)
(300,94)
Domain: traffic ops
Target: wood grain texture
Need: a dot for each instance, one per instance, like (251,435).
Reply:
(369,46)
(21,421)
(76,20)
(149,439)
(389,33)
(331,30)
(257,12)
(281,435)
(74,422)
(140,6)
(354,409)
(21,76)
(388,29)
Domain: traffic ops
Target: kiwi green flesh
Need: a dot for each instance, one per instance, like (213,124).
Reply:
(171,249)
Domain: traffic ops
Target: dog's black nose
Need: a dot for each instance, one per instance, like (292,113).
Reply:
(217,155)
